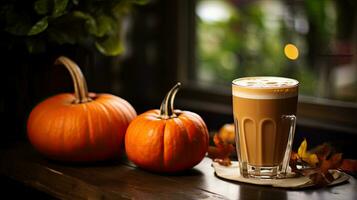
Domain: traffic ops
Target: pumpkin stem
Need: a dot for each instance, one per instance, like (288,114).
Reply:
(167,105)
(79,82)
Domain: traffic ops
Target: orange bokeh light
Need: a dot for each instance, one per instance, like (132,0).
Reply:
(291,51)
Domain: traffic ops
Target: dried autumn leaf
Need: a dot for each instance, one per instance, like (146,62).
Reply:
(349,166)
(309,158)
(224,162)
(227,133)
(323,163)
(322,175)
(221,150)
(322,151)
(333,163)
(218,141)
(321,179)
(216,153)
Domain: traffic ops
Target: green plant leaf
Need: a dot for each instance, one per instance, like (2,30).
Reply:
(120,8)
(110,45)
(82,15)
(59,7)
(99,26)
(19,28)
(104,25)
(140,2)
(42,7)
(68,29)
(89,21)
(40,26)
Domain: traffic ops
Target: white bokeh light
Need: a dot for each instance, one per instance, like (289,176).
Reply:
(213,11)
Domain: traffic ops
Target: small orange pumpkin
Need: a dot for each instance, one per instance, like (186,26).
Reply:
(167,140)
(81,126)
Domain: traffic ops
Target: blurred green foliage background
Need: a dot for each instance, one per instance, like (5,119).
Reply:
(237,38)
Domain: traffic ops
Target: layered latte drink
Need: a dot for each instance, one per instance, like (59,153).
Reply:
(264,111)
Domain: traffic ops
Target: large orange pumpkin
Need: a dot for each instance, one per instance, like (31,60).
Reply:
(167,140)
(81,126)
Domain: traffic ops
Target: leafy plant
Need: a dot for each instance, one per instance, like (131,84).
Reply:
(38,24)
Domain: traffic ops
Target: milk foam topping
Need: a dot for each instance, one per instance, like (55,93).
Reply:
(265,87)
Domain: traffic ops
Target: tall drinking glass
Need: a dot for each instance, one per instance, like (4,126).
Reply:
(264,110)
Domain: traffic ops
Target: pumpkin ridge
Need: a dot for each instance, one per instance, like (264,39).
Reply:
(73,147)
(129,108)
(113,122)
(63,136)
(135,127)
(193,140)
(189,116)
(184,127)
(141,127)
(201,123)
(125,108)
(117,117)
(89,132)
(104,112)
(162,163)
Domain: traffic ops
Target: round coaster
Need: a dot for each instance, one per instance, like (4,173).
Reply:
(232,173)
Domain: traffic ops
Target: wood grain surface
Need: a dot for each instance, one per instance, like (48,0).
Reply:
(123,180)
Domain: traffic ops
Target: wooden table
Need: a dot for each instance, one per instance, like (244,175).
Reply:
(122,180)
